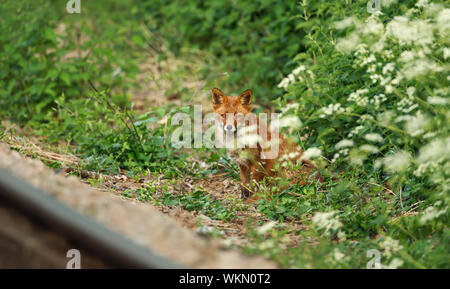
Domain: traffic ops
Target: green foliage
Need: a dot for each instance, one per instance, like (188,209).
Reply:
(254,41)
(48,67)
(45,51)
(372,94)
(197,200)
(110,137)
(370,91)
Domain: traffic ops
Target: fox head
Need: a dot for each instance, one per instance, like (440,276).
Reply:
(231,109)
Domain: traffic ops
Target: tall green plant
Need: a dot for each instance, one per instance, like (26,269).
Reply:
(254,42)
(372,93)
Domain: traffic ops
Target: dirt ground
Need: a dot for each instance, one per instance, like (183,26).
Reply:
(142,223)
(180,235)
(103,201)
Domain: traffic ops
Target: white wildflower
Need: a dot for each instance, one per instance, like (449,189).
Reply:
(355,131)
(341,236)
(406,105)
(390,246)
(389,88)
(331,109)
(378,99)
(419,67)
(437,100)
(348,44)
(370,59)
(290,121)
(397,79)
(443,20)
(358,97)
(436,150)
(365,117)
(389,67)
(373,26)
(344,143)
(417,124)
(397,162)
(347,22)
(431,213)
(387,3)
(326,221)
(372,68)
(410,91)
(293,155)
(375,78)
(268,244)
(335,157)
(395,263)
(388,54)
(311,153)
(446,52)
(266,227)
(422,3)
(291,78)
(298,70)
(344,151)
(378,163)
(374,137)
(286,108)
(337,257)
(418,32)
(433,9)
(361,49)
(407,56)
(369,148)
(442,91)
(284,83)
(385,117)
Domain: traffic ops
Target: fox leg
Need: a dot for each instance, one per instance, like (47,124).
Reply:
(247,192)
(260,171)
(245,180)
(258,175)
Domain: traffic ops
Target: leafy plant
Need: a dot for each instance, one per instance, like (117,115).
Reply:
(372,94)
(254,41)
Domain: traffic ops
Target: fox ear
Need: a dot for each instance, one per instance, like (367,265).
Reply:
(217,96)
(246,97)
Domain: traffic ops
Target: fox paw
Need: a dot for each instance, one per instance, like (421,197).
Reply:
(245,193)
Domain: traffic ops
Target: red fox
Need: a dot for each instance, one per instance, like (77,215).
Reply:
(253,166)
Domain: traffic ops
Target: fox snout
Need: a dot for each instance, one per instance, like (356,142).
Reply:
(231,110)
(229,128)
(229,122)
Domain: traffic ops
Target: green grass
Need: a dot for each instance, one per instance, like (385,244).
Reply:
(83,105)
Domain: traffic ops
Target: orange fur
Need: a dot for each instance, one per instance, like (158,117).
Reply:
(253,167)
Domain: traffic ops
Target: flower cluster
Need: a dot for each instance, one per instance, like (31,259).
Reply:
(390,246)
(332,109)
(327,221)
(379,107)
(359,98)
(295,75)
(394,53)
(403,98)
